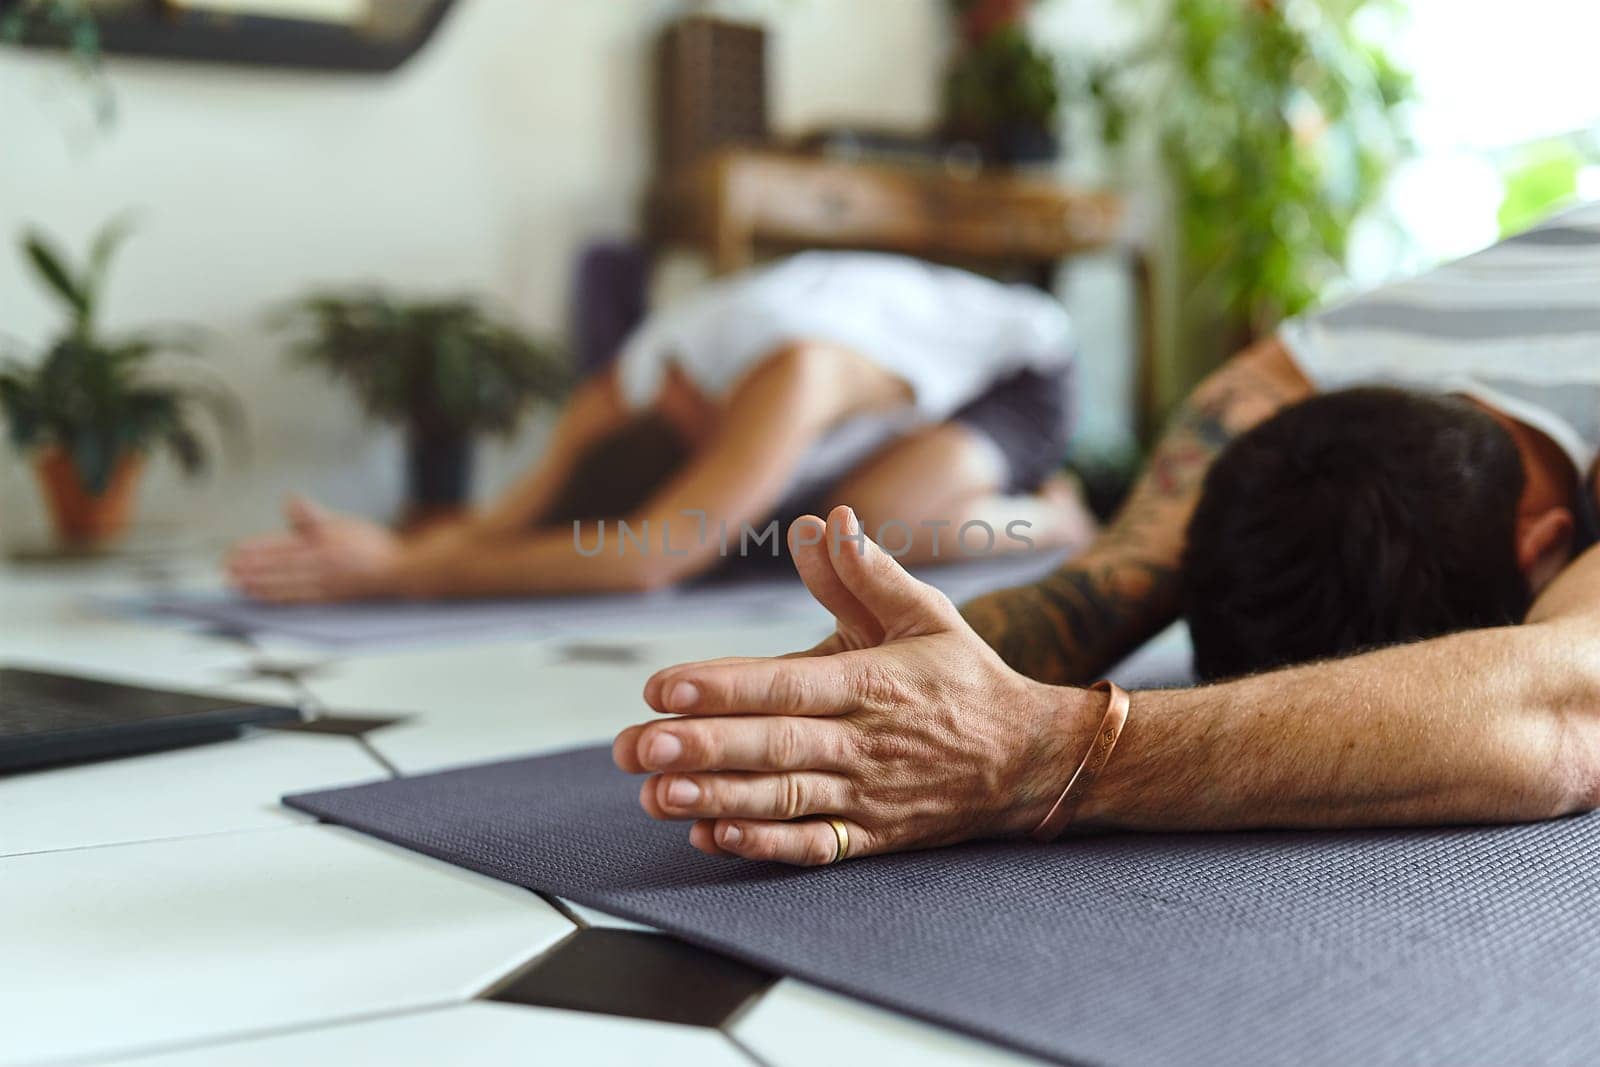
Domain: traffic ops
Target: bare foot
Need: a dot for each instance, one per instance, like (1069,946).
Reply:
(1074,525)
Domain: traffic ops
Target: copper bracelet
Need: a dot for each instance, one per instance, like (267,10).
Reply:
(1094,761)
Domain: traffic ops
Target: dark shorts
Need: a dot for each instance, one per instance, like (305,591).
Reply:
(1030,416)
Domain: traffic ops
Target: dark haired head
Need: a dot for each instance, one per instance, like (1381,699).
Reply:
(1356,519)
(621,471)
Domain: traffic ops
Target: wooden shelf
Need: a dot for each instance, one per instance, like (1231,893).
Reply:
(736,203)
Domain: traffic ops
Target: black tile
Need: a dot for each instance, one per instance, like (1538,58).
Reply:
(340,725)
(638,975)
(224,632)
(285,670)
(594,652)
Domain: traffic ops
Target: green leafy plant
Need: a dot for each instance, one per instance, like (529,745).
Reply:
(441,366)
(99,398)
(1277,123)
(72,24)
(1001,85)
(1538,178)
(446,370)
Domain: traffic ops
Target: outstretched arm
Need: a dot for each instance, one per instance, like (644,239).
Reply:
(772,416)
(1120,591)
(1499,725)
(323,555)
(912,731)
(595,409)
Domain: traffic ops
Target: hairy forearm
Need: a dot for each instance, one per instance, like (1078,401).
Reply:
(1488,726)
(1074,624)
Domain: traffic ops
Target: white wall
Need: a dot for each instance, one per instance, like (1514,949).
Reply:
(520,132)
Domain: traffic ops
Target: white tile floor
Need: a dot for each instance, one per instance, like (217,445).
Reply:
(207,789)
(122,650)
(165,942)
(793,1021)
(166,907)
(471,1035)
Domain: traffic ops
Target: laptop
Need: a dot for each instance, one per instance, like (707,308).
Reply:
(57,718)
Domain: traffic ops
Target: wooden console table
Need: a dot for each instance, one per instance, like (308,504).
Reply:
(736,205)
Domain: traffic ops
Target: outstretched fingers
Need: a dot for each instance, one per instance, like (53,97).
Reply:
(702,835)
(728,794)
(735,743)
(288,571)
(797,685)
(653,686)
(804,842)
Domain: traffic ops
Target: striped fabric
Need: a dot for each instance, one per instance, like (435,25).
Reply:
(1516,326)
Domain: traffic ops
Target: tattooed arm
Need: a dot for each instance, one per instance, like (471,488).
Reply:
(1102,604)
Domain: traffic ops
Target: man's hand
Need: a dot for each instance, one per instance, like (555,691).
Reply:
(322,556)
(903,723)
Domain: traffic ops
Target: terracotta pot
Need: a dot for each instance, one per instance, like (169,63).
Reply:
(82,519)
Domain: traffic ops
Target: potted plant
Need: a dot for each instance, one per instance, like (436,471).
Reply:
(1277,123)
(1002,90)
(444,370)
(90,407)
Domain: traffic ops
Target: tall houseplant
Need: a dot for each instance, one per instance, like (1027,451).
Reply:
(1277,122)
(90,407)
(446,371)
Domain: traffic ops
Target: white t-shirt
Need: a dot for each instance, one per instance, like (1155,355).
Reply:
(1516,326)
(949,334)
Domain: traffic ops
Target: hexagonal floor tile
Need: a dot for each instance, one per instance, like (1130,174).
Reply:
(470,1035)
(207,789)
(797,1023)
(130,948)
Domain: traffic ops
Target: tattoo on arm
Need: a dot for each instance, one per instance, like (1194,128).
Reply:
(1078,621)
(1068,627)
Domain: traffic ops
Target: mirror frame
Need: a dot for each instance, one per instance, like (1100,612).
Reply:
(252,40)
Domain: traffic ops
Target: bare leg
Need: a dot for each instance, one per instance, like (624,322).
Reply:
(937,495)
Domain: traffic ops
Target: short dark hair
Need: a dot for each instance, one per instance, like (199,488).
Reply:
(618,473)
(1353,520)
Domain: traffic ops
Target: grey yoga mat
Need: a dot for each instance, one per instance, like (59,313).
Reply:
(724,601)
(1473,946)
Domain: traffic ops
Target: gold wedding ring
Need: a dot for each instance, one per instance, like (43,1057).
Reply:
(841,837)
